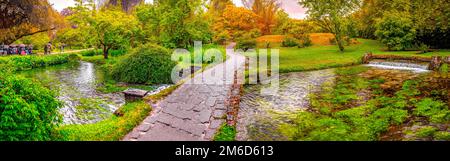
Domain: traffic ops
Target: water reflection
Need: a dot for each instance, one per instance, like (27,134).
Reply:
(76,85)
(260,115)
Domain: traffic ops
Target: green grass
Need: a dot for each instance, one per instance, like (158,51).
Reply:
(22,63)
(226,133)
(111,129)
(321,57)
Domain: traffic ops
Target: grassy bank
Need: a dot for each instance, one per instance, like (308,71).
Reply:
(226,133)
(21,63)
(321,57)
(111,129)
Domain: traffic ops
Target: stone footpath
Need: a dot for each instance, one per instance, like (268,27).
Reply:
(193,112)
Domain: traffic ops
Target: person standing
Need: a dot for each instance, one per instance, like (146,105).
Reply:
(46,49)
(62,47)
(50,47)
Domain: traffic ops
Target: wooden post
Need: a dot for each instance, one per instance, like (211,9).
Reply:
(367,57)
(447,59)
(436,62)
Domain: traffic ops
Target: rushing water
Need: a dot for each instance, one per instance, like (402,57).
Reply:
(415,67)
(76,84)
(260,115)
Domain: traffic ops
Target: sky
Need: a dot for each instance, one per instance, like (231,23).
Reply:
(290,6)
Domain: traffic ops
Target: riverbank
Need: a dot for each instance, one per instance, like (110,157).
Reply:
(323,57)
(356,103)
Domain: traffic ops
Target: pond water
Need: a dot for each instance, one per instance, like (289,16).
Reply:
(76,85)
(260,115)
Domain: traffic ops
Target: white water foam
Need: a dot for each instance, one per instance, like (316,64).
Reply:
(419,68)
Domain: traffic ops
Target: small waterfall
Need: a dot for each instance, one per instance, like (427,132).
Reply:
(415,67)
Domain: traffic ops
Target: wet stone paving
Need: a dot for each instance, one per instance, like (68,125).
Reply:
(193,112)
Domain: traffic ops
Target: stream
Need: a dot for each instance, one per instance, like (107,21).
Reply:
(259,115)
(76,85)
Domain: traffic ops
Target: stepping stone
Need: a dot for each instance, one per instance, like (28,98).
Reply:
(134,94)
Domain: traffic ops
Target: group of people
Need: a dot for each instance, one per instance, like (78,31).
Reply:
(25,49)
(16,49)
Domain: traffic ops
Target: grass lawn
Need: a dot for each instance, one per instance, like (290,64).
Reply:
(321,57)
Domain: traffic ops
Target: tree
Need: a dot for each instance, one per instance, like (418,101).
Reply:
(126,5)
(216,7)
(332,16)
(175,23)
(371,10)
(430,19)
(20,18)
(396,31)
(235,21)
(283,20)
(79,29)
(114,29)
(266,11)
(28,110)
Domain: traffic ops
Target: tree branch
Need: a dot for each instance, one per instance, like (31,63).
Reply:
(27,34)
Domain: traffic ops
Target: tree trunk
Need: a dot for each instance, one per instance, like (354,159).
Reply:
(105,52)
(339,42)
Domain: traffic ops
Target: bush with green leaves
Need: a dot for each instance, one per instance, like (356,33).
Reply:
(91,53)
(305,42)
(28,111)
(436,111)
(20,63)
(226,133)
(149,64)
(289,41)
(246,44)
(396,31)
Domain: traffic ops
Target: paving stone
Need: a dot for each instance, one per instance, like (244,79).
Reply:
(144,127)
(150,120)
(218,114)
(211,101)
(220,106)
(165,118)
(209,134)
(216,123)
(193,128)
(205,116)
(162,132)
(134,135)
(184,115)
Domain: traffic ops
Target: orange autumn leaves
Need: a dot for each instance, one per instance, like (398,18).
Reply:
(237,22)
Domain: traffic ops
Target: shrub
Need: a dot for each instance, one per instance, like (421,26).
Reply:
(119,52)
(74,57)
(20,63)
(90,53)
(305,42)
(28,111)
(146,64)
(436,111)
(226,133)
(396,31)
(442,135)
(246,44)
(289,42)
(427,131)
(424,48)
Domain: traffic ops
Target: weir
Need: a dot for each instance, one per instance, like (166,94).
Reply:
(405,62)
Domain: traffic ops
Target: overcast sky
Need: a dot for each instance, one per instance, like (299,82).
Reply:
(290,6)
